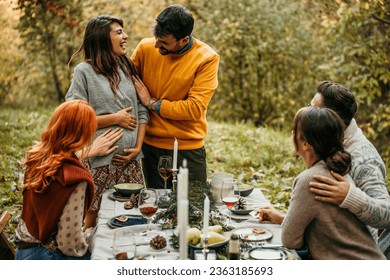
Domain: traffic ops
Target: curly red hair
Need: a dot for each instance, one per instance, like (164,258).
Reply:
(71,128)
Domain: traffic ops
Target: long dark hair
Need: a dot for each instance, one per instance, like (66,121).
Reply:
(97,49)
(323,129)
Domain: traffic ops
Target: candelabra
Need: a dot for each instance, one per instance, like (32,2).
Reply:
(174,181)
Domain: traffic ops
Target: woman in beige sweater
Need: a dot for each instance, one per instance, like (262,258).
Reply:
(328,231)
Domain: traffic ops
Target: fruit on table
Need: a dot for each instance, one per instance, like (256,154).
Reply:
(216,228)
(193,236)
(214,237)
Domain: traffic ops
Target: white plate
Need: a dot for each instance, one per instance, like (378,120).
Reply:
(267,254)
(247,234)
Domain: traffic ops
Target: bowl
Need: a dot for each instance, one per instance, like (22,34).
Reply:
(127,189)
(244,190)
(241,212)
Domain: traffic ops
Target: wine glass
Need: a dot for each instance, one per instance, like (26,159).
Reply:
(165,170)
(228,196)
(124,245)
(147,204)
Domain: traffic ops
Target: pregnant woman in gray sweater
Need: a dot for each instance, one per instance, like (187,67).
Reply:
(104,80)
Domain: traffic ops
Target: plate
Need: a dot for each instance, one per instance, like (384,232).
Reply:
(241,212)
(212,246)
(260,253)
(249,234)
(131,221)
(118,197)
(126,189)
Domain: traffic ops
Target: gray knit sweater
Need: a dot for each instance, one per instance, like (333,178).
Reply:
(95,88)
(330,232)
(370,201)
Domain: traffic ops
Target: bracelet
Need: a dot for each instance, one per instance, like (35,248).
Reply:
(151,102)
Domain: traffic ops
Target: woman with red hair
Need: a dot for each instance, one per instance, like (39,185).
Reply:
(58,189)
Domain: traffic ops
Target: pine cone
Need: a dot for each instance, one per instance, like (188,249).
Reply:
(241,204)
(158,242)
(134,200)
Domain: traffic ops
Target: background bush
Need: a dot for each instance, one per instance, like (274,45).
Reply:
(273,53)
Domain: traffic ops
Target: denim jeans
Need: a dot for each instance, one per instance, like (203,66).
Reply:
(41,253)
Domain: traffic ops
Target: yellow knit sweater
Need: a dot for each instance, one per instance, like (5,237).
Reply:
(185,83)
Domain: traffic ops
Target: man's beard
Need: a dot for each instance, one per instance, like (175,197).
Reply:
(164,51)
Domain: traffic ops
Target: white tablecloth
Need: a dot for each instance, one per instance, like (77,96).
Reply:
(101,243)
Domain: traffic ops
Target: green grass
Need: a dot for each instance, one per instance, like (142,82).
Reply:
(19,128)
(262,157)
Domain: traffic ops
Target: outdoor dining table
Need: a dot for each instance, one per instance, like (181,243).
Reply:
(102,239)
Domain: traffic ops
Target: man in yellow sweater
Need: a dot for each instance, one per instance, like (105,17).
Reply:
(179,75)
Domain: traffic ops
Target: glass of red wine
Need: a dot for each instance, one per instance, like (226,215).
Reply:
(228,197)
(165,170)
(147,204)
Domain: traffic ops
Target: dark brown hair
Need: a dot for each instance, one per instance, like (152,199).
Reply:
(175,20)
(323,129)
(97,49)
(339,99)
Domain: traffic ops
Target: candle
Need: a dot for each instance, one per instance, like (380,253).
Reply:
(175,144)
(182,223)
(206,211)
(180,186)
(182,210)
(184,172)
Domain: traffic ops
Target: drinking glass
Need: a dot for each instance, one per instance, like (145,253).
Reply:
(124,244)
(147,204)
(165,170)
(228,197)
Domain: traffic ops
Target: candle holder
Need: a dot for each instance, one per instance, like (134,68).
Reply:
(174,181)
(205,247)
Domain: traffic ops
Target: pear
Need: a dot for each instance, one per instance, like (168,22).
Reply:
(216,228)
(214,237)
(193,236)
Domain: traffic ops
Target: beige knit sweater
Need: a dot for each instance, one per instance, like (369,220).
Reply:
(329,232)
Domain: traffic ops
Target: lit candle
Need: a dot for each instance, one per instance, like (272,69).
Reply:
(206,211)
(175,145)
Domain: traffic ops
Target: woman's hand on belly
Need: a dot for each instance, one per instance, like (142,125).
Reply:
(130,154)
(103,144)
(126,120)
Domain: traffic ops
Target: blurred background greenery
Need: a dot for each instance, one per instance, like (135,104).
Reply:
(273,53)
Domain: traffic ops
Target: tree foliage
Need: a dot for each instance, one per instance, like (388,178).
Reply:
(267,58)
(49,29)
(273,53)
(357,42)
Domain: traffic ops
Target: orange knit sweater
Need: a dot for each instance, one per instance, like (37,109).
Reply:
(186,83)
(42,211)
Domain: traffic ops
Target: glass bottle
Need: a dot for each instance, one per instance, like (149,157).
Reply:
(234,247)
